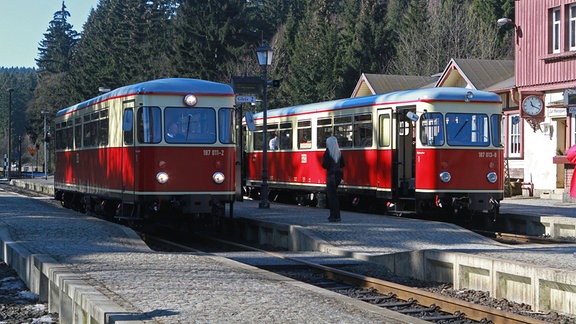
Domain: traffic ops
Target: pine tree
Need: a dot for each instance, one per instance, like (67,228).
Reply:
(55,52)
(56,48)
(411,47)
(313,70)
(210,36)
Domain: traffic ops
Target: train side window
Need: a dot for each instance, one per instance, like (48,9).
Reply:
(258,138)
(78,133)
(149,121)
(90,132)
(431,129)
(324,130)
(272,130)
(285,138)
(304,134)
(103,128)
(127,126)
(363,130)
(384,133)
(67,135)
(343,130)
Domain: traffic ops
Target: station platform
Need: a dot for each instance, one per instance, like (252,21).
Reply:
(84,265)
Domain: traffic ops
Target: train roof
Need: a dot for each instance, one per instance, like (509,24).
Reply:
(160,86)
(406,96)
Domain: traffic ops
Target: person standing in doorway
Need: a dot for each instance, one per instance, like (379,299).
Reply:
(333,162)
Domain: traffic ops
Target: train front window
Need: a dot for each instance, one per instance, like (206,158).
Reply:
(149,121)
(463,129)
(431,129)
(191,125)
(227,125)
(496,124)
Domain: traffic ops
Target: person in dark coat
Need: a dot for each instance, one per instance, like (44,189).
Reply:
(333,162)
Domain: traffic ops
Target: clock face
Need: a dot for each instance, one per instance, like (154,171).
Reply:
(532,105)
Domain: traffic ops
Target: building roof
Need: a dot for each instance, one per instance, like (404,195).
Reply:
(370,84)
(478,74)
(487,75)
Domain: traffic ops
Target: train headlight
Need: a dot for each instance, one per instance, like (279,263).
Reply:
(190,100)
(445,176)
(162,177)
(218,177)
(492,177)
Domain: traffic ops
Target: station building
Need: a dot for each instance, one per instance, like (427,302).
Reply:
(538,91)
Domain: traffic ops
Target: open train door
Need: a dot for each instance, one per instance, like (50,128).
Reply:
(404,161)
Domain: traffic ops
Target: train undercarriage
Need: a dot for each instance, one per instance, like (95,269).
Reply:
(148,209)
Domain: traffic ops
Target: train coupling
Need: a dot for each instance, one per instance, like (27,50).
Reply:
(457,203)
(460,203)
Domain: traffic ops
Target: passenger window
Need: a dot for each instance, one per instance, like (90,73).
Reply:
(363,130)
(127,126)
(343,131)
(384,133)
(324,130)
(285,136)
(304,134)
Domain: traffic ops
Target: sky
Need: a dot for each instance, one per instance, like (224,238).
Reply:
(24,22)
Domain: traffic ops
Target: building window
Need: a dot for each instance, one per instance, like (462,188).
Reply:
(572,27)
(514,136)
(555,30)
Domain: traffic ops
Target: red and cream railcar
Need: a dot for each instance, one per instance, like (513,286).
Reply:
(158,148)
(423,150)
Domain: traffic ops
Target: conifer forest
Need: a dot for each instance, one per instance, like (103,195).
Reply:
(321,48)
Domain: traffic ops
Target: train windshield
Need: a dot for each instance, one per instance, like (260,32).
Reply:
(466,129)
(190,125)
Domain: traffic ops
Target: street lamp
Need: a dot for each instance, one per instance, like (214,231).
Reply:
(264,53)
(9,132)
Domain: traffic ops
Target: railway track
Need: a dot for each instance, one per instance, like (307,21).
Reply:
(415,302)
(410,300)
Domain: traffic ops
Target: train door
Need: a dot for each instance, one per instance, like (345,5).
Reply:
(384,174)
(405,152)
(128,152)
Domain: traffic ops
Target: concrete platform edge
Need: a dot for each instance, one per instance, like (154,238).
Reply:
(544,289)
(66,292)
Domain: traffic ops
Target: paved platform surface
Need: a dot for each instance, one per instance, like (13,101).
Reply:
(151,287)
(173,288)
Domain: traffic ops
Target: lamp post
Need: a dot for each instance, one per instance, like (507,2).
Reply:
(44,113)
(264,53)
(9,132)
